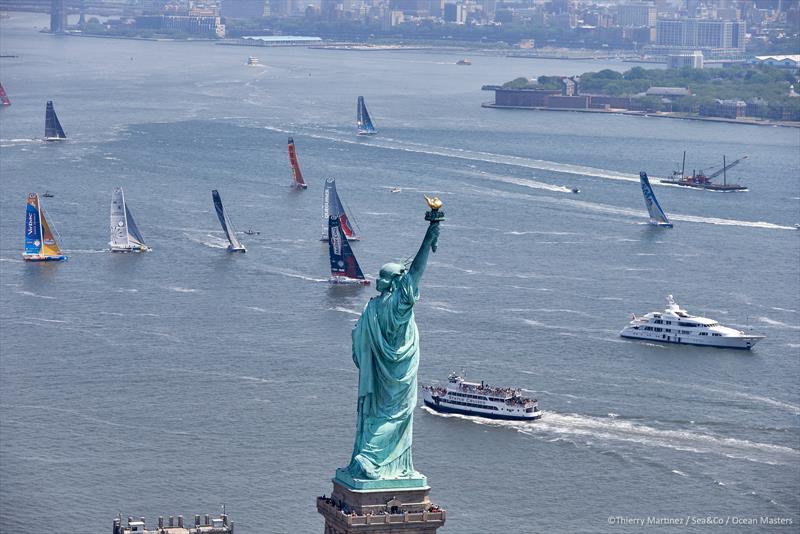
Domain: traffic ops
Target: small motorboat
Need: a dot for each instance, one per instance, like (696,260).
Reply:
(48,194)
(251,232)
(396,190)
(575,190)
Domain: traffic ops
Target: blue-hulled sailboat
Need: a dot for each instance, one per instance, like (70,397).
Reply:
(332,207)
(363,121)
(344,267)
(657,215)
(52,127)
(40,238)
(227,225)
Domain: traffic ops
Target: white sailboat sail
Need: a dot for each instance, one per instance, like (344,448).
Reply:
(125,235)
(227,225)
(119,230)
(657,215)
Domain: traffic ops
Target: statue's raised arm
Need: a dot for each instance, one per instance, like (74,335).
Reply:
(430,240)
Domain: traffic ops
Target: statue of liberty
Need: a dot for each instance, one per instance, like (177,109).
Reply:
(386,352)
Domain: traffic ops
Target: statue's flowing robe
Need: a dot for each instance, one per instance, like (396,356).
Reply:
(386,352)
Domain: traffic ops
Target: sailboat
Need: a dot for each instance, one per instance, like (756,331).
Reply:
(125,235)
(332,207)
(363,122)
(344,267)
(52,128)
(4,97)
(297,176)
(40,239)
(657,215)
(227,225)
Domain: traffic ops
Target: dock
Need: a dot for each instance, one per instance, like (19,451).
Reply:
(173,525)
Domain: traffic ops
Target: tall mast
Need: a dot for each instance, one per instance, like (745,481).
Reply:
(683,165)
(724,171)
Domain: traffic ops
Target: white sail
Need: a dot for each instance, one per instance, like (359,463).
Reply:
(119,224)
(227,225)
(657,215)
(125,235)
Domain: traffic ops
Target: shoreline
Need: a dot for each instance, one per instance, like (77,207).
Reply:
(663,115)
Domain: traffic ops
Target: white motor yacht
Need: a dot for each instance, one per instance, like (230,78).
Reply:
(675,325)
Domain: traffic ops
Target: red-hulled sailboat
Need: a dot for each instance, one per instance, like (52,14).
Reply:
(4,97)
(297,176)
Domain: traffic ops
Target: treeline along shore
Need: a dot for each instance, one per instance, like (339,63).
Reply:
(750,94)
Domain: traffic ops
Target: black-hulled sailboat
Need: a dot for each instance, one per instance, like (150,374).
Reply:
(657,215)
(52,127)
(344,267)
(227,225)
(363,121)
(297,176)
(332,207)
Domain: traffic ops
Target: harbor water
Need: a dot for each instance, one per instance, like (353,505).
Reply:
(173,381)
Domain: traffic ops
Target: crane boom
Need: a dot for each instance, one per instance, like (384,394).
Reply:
(726,167)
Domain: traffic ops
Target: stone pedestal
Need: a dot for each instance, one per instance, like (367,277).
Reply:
(379,511)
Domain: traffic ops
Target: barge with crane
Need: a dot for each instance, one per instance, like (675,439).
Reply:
(701,180)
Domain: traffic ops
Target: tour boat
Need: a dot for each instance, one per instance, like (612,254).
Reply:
(253,61)
(332,207)
(674,325)
(344,266)
(227,225)
(52,127)
(657,215)
(363,121)
(4,97)
(40,237)
(125,235)
(481,399)
(297,176)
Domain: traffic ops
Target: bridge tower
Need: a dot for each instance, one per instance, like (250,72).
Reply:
(58,16)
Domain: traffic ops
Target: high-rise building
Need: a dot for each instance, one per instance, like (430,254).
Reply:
(243,9)
(719,37)
(455,13)
(636,15)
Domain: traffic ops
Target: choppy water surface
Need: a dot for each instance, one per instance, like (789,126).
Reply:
(171,382)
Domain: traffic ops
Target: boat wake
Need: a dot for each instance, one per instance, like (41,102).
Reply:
(587,430)
(627,212)
(183,289)
(388,143)
(346,310)
(32,294)
(778,324)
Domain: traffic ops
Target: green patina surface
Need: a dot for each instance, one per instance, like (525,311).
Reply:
(386,352)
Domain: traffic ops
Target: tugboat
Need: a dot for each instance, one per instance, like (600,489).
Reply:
(675,325)
(481,399)
(699,180)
